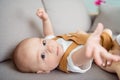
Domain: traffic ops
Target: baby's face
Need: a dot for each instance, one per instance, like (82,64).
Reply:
(42,55)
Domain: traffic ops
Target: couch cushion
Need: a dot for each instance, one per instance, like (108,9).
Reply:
(8,72)
(17,21)
(67,15)
(109,16)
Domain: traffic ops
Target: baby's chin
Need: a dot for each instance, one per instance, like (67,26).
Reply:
(61,51)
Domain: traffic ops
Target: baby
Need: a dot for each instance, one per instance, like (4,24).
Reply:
(42,55)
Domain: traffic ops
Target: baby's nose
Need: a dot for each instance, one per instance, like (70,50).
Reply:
(50,49)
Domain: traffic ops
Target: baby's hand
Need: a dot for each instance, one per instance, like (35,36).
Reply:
(96,51)
(42,14)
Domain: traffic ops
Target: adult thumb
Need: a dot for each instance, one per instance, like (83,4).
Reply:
(99,29)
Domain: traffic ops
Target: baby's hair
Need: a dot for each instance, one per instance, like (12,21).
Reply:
(17,59)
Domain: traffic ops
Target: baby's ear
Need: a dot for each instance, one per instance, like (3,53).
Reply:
(47,72)
(38,72)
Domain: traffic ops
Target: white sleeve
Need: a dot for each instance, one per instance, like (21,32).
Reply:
(49,37)
(118,39)
(79,69)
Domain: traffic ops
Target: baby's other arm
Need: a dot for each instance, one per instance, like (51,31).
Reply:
(93,50)
(47,26)
(96,51)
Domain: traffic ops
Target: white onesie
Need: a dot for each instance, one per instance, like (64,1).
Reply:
(70,66)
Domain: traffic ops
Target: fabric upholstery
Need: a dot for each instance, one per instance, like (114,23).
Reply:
(8,72)
(109,16)
(67,15)
(17,21)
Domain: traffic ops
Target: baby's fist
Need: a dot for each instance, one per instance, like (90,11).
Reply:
(42,14)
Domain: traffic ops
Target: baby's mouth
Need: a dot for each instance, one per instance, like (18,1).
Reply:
(57,51)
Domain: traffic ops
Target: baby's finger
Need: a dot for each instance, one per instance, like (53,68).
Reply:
(39,13)
(97,57)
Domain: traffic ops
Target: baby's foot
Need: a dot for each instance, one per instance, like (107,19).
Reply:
(108,31)
(42,14)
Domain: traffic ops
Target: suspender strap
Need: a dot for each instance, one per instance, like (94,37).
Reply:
(63,63)
(78,38)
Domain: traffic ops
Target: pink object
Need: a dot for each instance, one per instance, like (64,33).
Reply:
(99,2)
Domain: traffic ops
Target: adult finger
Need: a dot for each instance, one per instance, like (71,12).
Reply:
(110,57)
(109,62)
(98,30)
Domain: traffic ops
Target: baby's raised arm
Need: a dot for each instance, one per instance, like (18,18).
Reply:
(47,26)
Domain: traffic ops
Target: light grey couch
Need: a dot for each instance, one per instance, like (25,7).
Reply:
(19,21)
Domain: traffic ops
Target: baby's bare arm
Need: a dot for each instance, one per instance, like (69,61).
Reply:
(47,26)
(93,50)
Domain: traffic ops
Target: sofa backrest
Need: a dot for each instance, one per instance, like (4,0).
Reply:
(67,15)
(18,20)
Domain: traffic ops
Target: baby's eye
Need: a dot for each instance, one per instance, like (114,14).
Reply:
(44,42)
(43,55)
